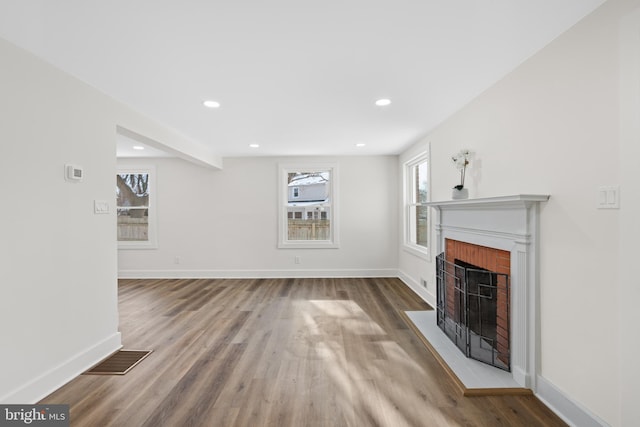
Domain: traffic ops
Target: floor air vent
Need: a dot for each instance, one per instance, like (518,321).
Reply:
(119,363)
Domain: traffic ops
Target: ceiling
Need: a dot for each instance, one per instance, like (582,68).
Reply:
(297,77)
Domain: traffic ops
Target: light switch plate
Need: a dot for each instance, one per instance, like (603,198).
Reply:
(609,197)
(100,207)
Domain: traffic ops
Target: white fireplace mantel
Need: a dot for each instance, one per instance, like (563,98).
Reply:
(509,223)
(514,200)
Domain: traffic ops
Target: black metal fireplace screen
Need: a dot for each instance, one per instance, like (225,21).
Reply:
(473,310)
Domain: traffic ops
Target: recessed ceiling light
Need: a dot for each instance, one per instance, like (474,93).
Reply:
(360,144)
(138,147)
(211,104)
(254,145)
(383,102)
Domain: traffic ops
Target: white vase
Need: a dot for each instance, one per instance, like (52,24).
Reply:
(459,194)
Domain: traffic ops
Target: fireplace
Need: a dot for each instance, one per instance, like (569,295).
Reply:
(493,241)
(472,305)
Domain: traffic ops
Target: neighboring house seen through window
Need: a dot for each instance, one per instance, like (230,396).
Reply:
(307,206)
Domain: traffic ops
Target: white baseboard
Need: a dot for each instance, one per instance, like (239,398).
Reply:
(423,293)
(570,411)
(48,382)
(427,296)
(252,274)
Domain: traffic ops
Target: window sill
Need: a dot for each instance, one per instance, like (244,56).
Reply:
(126,245)
(307,244)
(420,252)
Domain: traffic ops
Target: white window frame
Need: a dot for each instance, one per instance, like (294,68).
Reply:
(283,173)
(408,202)
(152,242)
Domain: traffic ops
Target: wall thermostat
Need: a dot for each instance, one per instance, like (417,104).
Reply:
(73,173)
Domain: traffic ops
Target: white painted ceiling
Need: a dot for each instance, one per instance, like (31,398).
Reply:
(298,77)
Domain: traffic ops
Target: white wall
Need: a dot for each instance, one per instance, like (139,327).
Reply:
(628,316)
(224,223)
(58,262)
(58,258)
(552,127)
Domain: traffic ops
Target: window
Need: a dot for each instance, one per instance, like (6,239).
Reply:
(417,218)
(308,213)
(135,206)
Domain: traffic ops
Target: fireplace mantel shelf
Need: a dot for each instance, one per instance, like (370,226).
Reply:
(505,201)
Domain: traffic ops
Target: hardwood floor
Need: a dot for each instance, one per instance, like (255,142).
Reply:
(280,352)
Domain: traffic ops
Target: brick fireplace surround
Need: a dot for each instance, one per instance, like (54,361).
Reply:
(508,224)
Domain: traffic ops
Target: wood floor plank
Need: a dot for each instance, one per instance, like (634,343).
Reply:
(280,352)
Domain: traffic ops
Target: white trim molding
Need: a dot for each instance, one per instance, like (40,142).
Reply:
(409,224)
(570,411)
(47,382)
(423,293)
(253,274)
